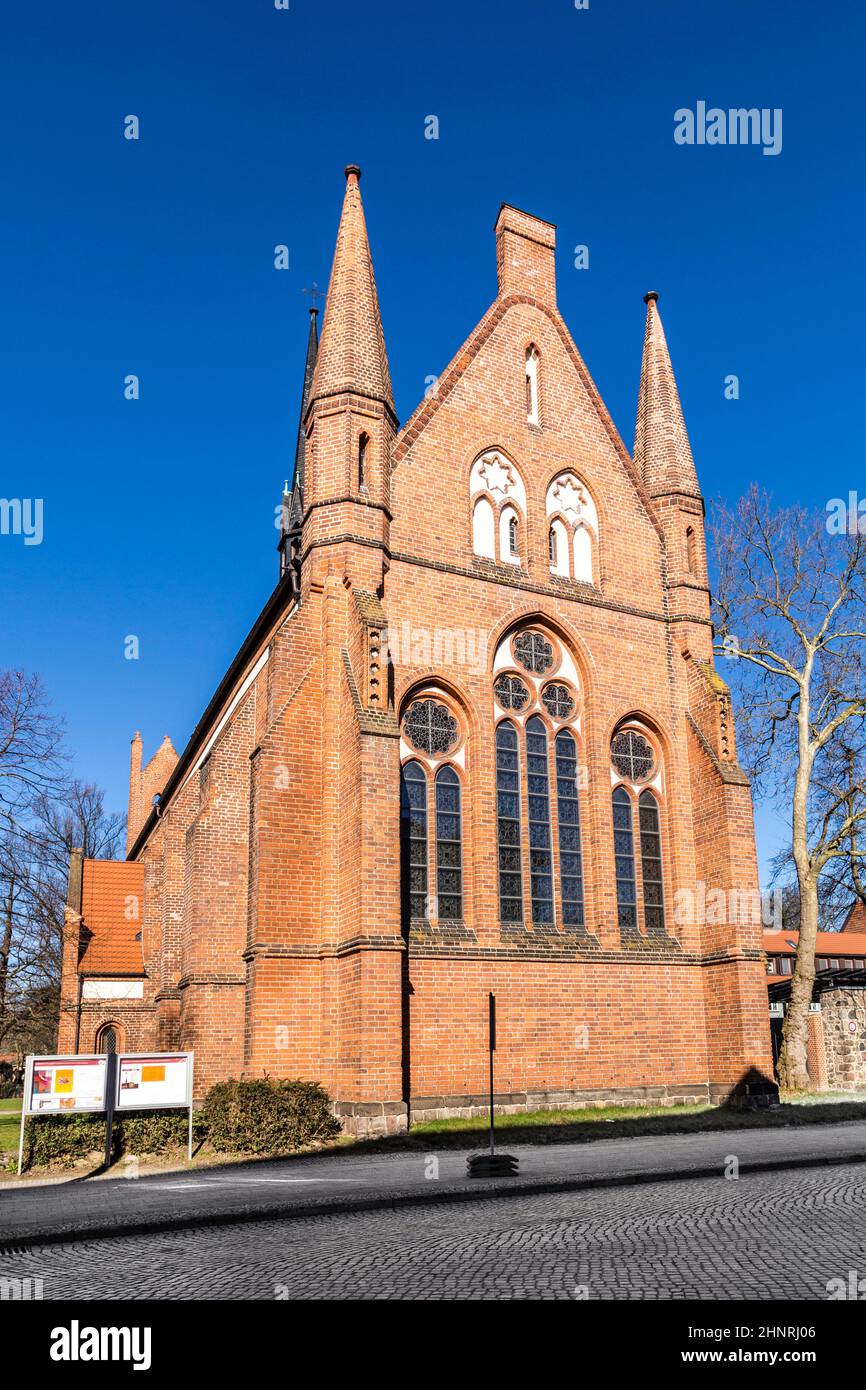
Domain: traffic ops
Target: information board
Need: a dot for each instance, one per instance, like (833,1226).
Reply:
(154,1080)
(61,1085)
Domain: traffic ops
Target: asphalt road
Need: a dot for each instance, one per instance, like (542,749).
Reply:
(333,1181)
(761,1236)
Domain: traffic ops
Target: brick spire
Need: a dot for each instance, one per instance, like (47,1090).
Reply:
(300,449)
(661,444)
(352,355)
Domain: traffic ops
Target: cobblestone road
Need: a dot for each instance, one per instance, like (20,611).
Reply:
(766,1235)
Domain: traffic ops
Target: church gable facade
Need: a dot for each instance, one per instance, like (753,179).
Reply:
(475,741)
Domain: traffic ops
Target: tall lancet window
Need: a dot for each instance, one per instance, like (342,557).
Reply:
(568,807)
(538,786)
(623,848)
(362,460)
(449,865)
(413,841)
(651,864)
(532,385)
(508,823)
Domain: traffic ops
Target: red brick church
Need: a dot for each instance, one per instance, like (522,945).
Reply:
(474,741)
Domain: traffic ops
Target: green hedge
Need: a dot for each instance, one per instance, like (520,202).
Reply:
(65,1138)
(267,1116)
(246,1117)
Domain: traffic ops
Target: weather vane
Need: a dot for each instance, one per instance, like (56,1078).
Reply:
(315,293)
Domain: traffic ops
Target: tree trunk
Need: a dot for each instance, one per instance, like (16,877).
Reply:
(6,945)
(793,1071)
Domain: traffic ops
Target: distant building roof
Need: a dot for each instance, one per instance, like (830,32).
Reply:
(856,919)
(112,894)
(828,943)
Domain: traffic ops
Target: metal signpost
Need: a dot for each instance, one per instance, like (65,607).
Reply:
(105,1082)
(491,1165)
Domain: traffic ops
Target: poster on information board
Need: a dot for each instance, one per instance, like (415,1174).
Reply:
(64,1085)
(159,1081)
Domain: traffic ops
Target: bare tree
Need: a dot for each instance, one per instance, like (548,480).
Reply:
(31,738)
(789,609)
(34,864)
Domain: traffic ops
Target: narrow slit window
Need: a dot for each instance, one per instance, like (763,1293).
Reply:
(651,864)
(362,460)
(532,386)
(691,550)
(568,807)
(449,860)
(413,837)
(623,848)
(512,535)
(508,823)
(540,853)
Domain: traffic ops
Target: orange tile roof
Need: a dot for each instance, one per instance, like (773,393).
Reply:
(828,943)
(111,892)
(856,919)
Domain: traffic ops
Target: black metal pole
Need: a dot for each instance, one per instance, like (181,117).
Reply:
(110,1097)
(491,1033)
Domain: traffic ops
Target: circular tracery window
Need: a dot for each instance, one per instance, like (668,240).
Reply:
(534,652)
(632,755)
(430,727)
(558,700)
(511,692)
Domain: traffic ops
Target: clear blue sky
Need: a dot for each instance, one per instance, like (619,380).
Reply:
(155,257)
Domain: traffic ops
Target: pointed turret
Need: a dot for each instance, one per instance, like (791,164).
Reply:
(352,354)
(350,423)
(663,454)
(661,443)
(292,505)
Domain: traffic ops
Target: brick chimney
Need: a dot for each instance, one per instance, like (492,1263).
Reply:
(525,254)
(134,818)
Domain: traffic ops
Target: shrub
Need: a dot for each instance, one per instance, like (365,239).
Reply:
(65,1138)
(62,1138)
(11,1090)
(267,1116)
(154,1131)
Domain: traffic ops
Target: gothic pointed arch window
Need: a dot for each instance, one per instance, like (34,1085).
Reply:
(413,841)
(508,822)
(637,772)
(498,499)
(363,444)
(484,528)
(431,812)
(108,1039)
(509,530)
(568,808)
(536,692)
(538,806)
(573,519)
(449,846)
(651,864)
(623,850)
